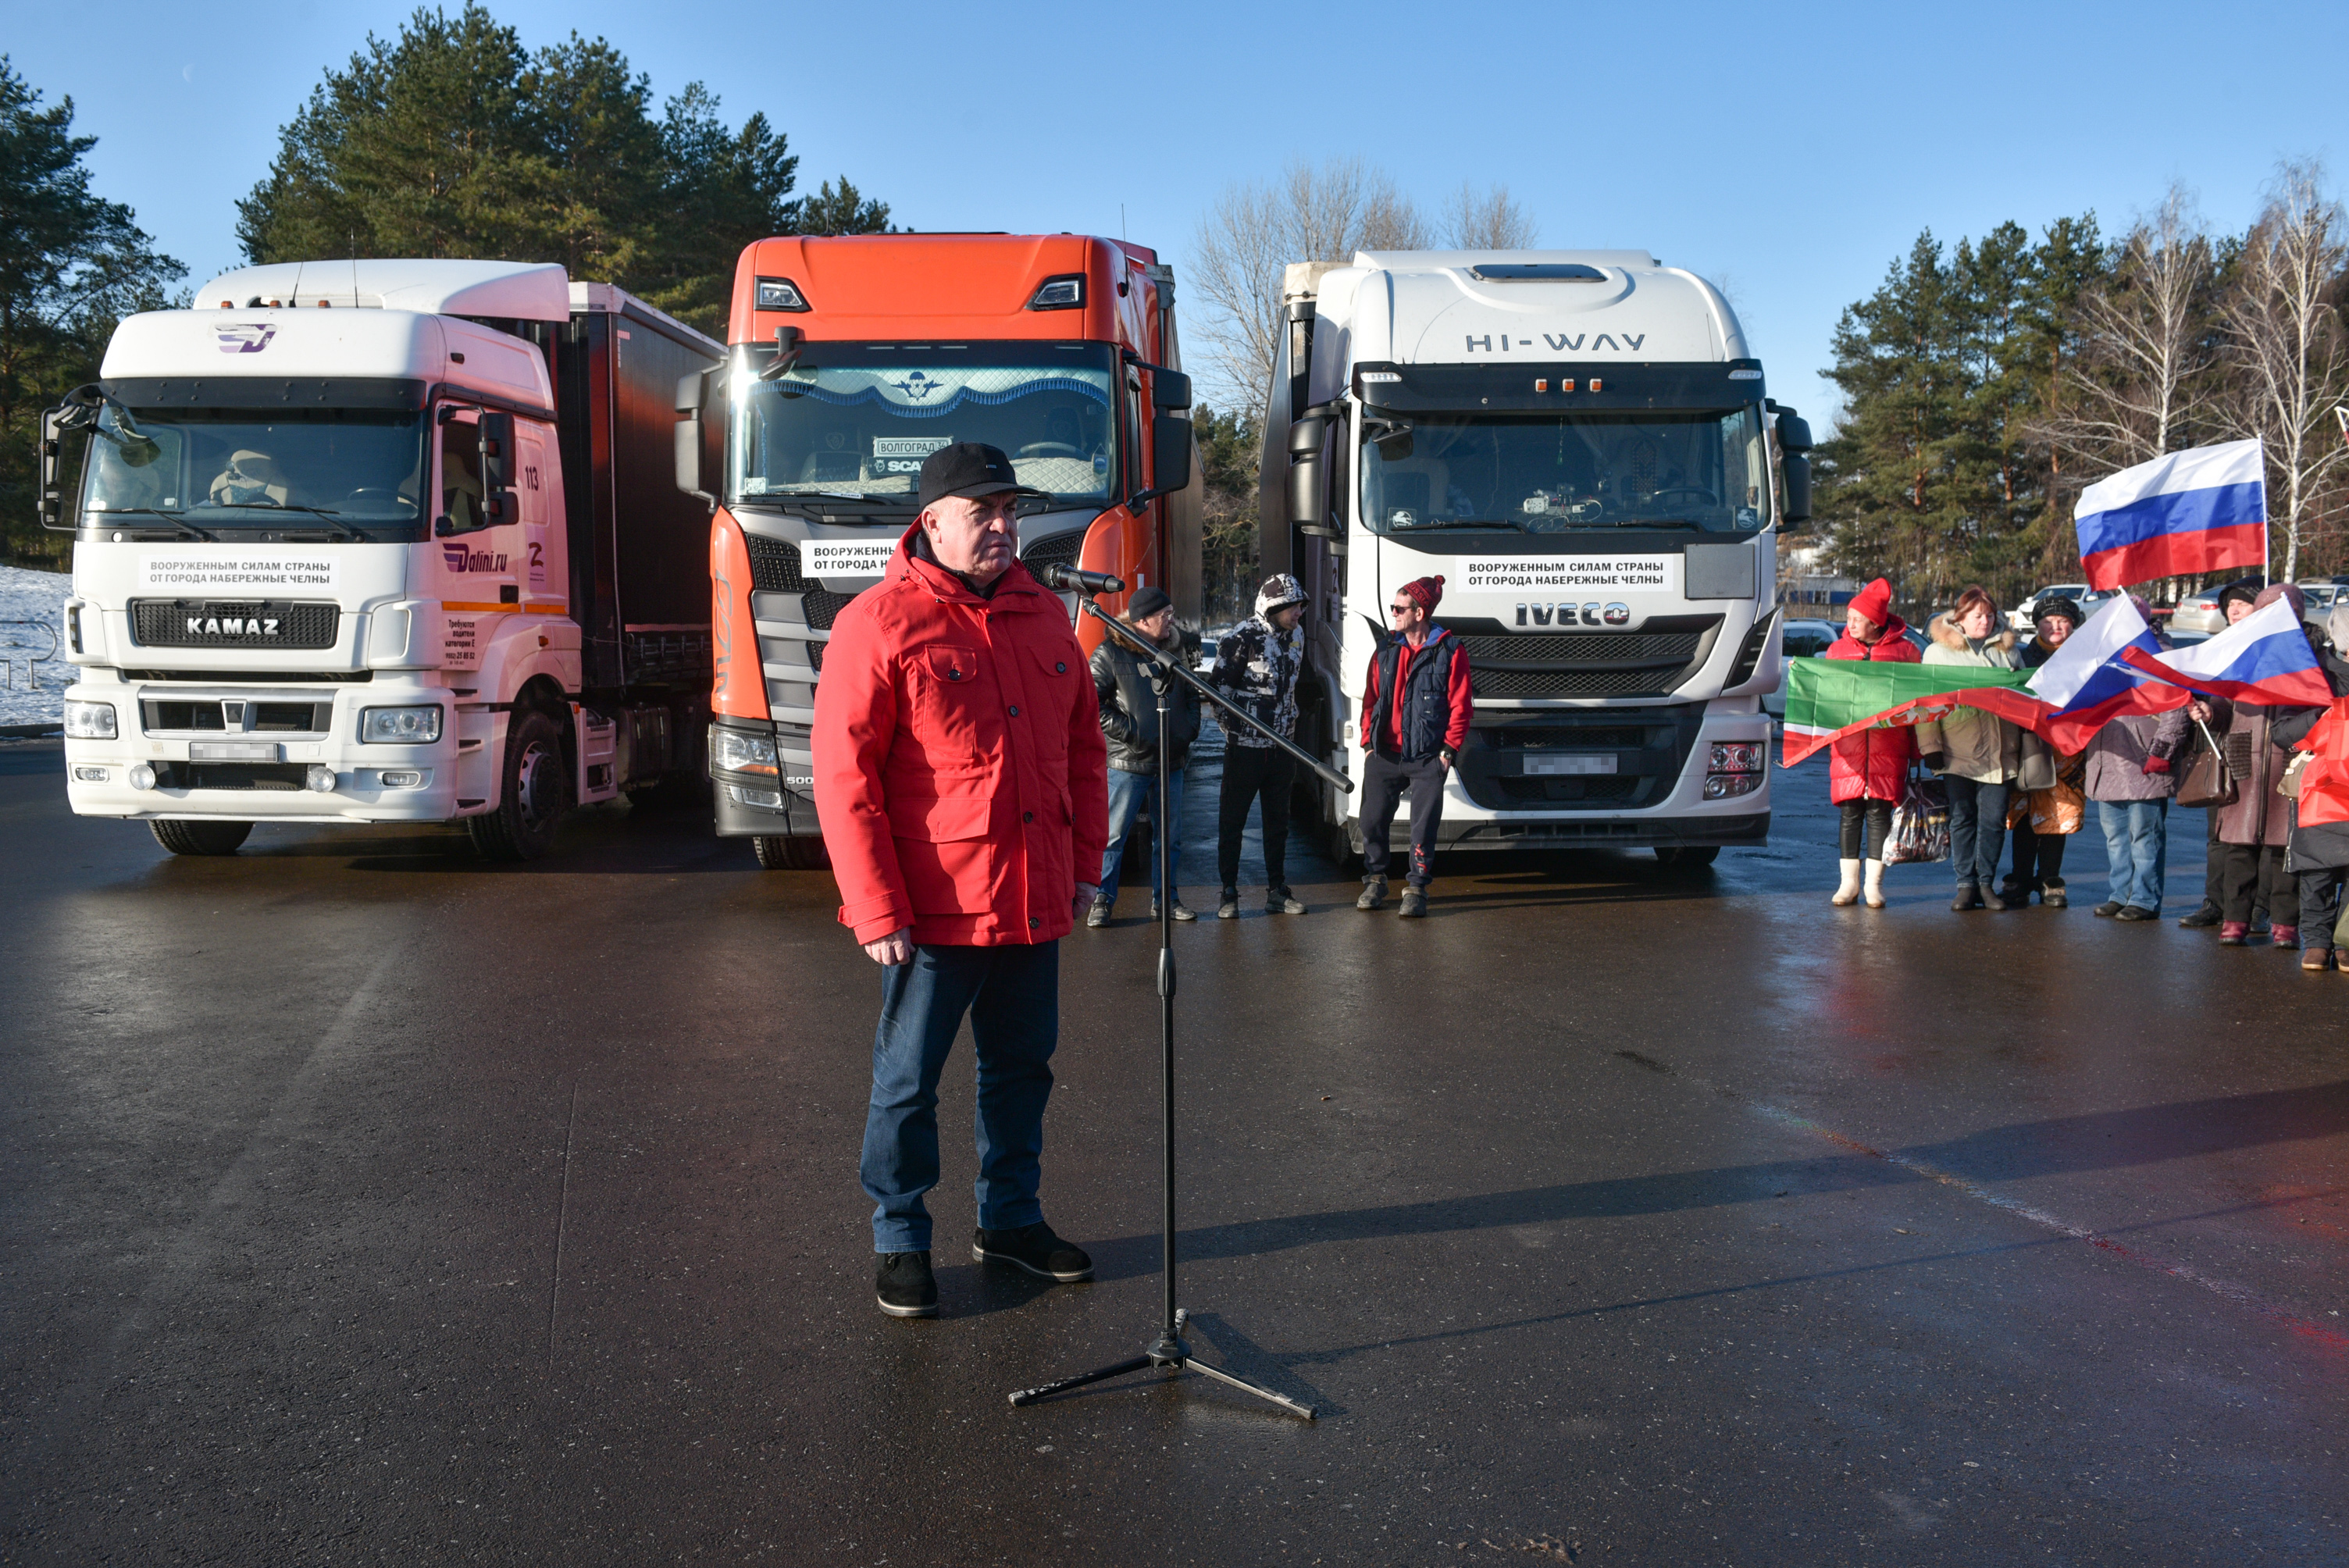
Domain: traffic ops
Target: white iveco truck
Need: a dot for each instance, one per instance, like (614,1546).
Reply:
(1579,443)
(381,541)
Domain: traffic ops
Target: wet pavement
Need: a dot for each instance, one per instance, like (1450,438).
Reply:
(362,1201)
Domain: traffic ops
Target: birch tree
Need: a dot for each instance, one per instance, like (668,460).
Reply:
(2285,343)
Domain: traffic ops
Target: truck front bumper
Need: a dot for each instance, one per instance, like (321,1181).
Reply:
(255,775)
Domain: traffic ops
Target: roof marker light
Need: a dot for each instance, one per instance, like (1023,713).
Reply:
(1066,292)
(1540,384)
(780,294)
(1379,377)
(1594,384)
(1567,384)
(1745,376)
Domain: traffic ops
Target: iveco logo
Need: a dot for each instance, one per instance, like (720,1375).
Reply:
(1572,614)
(246,339)
(232,626)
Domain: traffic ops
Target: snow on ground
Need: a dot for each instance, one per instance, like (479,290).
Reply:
(33,688)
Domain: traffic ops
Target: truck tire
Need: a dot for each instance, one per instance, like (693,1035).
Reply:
(1688,857)
(777,853)
(532,796)
(200,838)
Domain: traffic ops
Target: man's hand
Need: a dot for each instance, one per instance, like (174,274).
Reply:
(898,947)
(2199,709)
(1084,903)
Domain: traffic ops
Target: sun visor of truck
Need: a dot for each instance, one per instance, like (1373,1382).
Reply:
(1527,384)
(386,394)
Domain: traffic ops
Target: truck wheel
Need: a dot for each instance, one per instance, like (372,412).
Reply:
(1341,850)
(536,792)
(1688,857)
(779,854)
(200,838)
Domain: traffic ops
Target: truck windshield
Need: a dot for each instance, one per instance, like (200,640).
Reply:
(1538,473)
(856,421)
(246,468)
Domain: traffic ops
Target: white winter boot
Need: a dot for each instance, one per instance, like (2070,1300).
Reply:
(1848,894)
(1876,884)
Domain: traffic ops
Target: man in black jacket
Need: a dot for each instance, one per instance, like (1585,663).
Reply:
(1129,717)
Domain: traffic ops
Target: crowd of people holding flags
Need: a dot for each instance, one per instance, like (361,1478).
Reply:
(2252,724)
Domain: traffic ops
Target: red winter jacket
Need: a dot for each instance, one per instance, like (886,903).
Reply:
(961,779)
(1872,763)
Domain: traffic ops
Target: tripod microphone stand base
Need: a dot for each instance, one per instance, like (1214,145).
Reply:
(1169,1354)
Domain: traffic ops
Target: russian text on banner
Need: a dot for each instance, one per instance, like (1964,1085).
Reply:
(2200,510)
(2263,657)
(1827,700)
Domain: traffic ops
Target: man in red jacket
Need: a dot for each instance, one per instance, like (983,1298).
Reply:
(1416,706)
(962,783)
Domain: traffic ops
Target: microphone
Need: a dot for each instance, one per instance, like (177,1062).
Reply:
(1068,577)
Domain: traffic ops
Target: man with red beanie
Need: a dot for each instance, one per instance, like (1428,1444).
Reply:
(1866,771)
(1416,707)
(962,781)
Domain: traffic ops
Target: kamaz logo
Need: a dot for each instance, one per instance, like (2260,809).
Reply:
(463,559)
(1558,342)
(245,338)
(233,626)
(1567,615)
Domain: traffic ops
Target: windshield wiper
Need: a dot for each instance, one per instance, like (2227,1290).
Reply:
(1462,522)
(173,518)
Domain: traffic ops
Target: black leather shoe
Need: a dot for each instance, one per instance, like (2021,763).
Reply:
(905,1286)
(1969,897)
(1034,1248)
(1996,902)
(2109,908)
(2207,915)
(2135,911)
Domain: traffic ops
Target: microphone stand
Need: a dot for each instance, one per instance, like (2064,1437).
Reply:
(1168,1353)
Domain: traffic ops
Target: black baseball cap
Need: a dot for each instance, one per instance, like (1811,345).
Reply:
(970,469)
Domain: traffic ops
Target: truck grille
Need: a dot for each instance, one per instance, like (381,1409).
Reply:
(652,656)
(208,623)
(1651,749)
(775,569)
(274,718)
(1059,550)
(1539,664)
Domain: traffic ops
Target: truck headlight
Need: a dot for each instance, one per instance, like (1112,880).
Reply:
(90,720)
(401,726)
(737,751)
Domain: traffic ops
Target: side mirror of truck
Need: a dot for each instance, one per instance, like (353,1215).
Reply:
(1307,491)
(1170,459)
(1795,452)
(52,450)
(496,449)
(692,393)
(1170,389)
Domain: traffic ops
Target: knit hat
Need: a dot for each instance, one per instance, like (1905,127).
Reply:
(1426,593)
(2246,590)
(1147,601)
(1875,602)
(2287,590)
(1280,591)
(2069,611)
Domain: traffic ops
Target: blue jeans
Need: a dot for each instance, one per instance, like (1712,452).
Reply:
(2136,849)
(1013,998)
(1128,793)
(1976,831)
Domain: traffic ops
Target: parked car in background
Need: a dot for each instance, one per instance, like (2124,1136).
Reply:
(2197,616)
(2021,617)
(1808,639)
(2318,598)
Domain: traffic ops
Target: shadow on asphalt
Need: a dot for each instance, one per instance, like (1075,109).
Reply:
(2104,1141)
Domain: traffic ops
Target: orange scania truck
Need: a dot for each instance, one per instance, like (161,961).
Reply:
(849,361)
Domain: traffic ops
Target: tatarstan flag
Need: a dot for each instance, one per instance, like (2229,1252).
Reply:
(1827,700)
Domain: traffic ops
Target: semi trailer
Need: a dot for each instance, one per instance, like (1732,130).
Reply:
(1580,443)
(385,540)
(850,360)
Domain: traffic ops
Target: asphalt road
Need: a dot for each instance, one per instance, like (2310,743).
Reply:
(363,1203)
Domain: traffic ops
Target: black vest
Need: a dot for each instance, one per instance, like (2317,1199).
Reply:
(1426,701)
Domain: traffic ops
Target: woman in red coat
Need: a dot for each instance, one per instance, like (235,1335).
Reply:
(1865,771)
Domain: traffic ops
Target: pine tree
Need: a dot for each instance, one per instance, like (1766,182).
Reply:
(71,265)
(842,209)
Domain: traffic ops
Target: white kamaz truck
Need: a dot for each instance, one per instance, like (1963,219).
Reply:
(382,541)
(1579,443)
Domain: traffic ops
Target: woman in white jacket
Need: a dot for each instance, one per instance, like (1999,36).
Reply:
(1977,754)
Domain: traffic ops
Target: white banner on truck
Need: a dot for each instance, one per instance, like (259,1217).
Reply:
(238,572)
(1571,574)
(845,565)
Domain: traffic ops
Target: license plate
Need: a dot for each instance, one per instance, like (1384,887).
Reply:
(232,751)
(1586,764)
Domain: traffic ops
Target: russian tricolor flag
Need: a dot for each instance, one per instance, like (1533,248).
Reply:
(2264,658)
(2088,681)
(2198,510)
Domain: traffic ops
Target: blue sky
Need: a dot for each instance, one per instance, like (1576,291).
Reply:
(1790,152)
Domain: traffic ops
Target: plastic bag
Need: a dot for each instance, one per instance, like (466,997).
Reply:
(1920,823)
